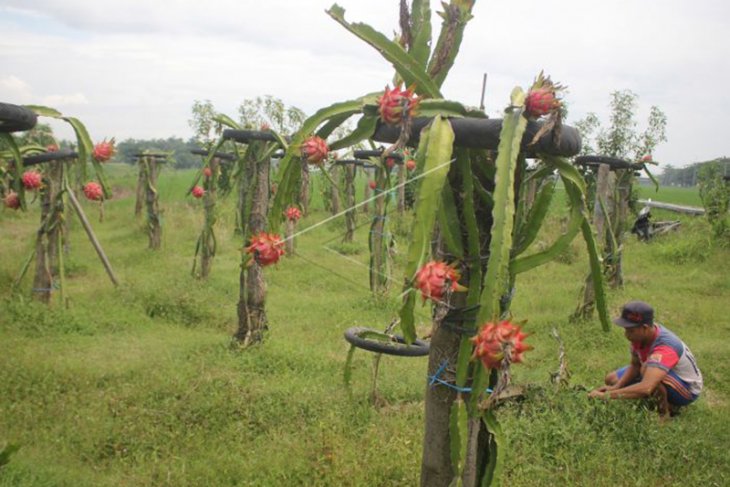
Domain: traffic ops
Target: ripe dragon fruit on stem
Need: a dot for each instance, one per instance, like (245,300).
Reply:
(372,184)
(207,172)
(542,99)
(433,278)
(314,149)
(293,214)
(540,102)
(493,339)
(93,191)
(396,104)
(197,192)
(104,150)
(32,180)
(266,248)
(410,164)
(12,200)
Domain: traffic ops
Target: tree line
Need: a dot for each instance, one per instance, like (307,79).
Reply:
(689,176)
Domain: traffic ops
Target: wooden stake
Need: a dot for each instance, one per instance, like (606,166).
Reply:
(90,233)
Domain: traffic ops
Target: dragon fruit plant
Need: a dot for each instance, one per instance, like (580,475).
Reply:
(50,181)
(292,214)
(251,174)
(206,245)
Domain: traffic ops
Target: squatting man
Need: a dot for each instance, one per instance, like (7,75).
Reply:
(661,367)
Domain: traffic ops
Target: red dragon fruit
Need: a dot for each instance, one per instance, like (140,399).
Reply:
(489,343)
(52,148)
(197,192)
(410,164)
(32,180)
(266,248)
(293,214)
(372,184)
(315,149)
(93,191)
(207,172)
(541,101)
(390,162)
(647,158)
(103,151)
(12,200)
(394,104)
(433,278)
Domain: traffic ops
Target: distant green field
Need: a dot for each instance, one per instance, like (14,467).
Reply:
(672,194)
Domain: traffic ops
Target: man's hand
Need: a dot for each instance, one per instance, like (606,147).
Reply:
(600,392)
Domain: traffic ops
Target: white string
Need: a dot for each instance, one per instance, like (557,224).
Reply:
(377,195)
(354,261)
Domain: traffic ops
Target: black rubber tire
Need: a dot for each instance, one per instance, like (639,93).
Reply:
(364,154)
(354,162)
(398,347)
(246,136)
(153,155)
(483,133)
(49,156)
(14,118)
(612,162)
(220,155)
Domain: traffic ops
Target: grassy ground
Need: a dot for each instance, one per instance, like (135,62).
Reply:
(671,194)
(137,386)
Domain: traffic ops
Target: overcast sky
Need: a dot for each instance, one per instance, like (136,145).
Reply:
(132,68)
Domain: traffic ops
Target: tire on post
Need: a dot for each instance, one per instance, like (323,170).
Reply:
(395,346)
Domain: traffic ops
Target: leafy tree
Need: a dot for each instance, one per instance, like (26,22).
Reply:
(587,127)
(620,138)
(690,175)
(271,111)
(715,194)
(179,150)
(203,124)
(41,134)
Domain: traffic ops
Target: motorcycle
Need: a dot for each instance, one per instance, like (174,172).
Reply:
(645,229)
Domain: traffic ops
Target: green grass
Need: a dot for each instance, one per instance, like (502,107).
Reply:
(671,194)
(138,385)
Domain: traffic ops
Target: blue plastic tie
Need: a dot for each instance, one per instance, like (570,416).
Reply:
(435,379)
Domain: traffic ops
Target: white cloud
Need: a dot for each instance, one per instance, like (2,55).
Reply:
(14,88)
(62,101)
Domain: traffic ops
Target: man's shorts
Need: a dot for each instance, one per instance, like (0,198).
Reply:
(677,389)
